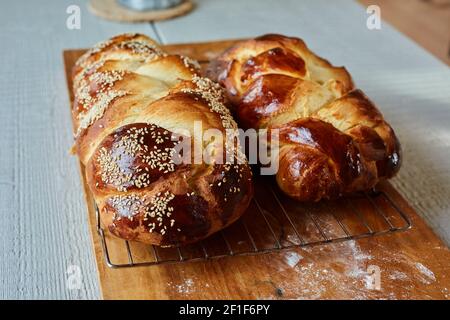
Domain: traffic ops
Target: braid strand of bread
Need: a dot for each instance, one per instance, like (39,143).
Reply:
(332,139)
(133,105)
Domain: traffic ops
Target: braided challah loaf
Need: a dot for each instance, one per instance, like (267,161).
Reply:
(134,105)
(332,139)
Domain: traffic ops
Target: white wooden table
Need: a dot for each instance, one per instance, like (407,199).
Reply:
(43,227)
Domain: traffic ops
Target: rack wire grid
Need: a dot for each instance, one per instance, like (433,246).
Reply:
(273,222)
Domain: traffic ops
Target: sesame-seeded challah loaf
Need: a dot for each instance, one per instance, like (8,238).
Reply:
(133,106)
(333,141)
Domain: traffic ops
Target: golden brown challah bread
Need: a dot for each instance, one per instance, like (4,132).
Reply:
(332,139)
(133,105)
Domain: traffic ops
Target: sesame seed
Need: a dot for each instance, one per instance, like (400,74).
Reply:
(160,209)
(126,206)
(190,63)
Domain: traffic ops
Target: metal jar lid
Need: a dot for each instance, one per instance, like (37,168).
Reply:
(143,5)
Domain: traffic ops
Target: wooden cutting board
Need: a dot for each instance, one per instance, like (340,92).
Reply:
(411,264)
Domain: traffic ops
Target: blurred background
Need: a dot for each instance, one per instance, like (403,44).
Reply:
(425,21)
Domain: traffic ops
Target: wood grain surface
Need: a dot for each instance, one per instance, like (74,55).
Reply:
(412,264)
(44,229)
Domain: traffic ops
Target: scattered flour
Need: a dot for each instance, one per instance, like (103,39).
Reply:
(349,276)
(398,275)
(186,287)
(292,258)
(356,266)
(357,253)
(426,272)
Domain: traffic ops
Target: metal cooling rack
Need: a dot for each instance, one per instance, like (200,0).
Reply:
(268,226)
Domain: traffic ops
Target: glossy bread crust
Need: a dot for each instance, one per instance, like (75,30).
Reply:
(134,106)
(333,140)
